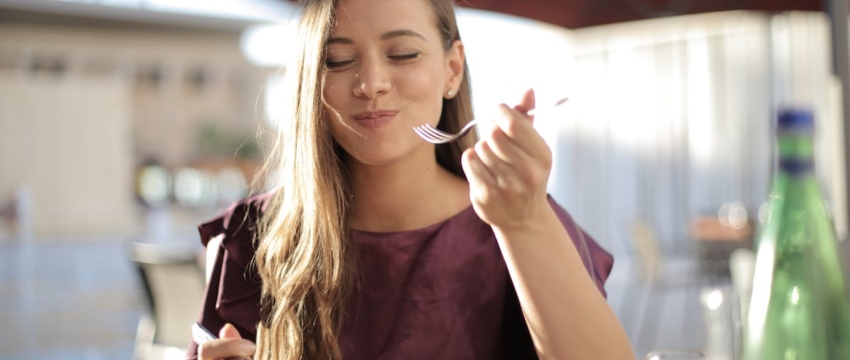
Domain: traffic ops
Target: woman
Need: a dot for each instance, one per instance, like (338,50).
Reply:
(379,245)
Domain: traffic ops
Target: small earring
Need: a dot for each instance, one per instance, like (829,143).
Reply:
(450,93)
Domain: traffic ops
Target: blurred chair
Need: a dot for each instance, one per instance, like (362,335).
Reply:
(8,218)
(16,215)
(173,283)
(657,274)
(716,239)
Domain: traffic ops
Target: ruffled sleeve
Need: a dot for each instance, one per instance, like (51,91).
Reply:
(232,294)
(597,261)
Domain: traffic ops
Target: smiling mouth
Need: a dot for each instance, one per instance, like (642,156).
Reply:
(374,119)
(366,115)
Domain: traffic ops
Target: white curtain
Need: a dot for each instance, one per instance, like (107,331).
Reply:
(672,118)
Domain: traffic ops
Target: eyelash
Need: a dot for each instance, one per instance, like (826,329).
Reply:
(410,56)
(331,65)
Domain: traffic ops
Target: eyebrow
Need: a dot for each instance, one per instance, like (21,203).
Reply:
(386,36)
(401,32)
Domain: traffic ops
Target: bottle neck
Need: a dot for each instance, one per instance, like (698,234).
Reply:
(796,145)
(796,152)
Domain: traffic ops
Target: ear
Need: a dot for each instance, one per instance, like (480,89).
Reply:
(454,69)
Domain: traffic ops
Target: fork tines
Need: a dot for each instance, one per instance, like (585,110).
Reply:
(436,136)
(432,135)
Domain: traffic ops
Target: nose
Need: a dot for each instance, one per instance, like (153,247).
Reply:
(372,79)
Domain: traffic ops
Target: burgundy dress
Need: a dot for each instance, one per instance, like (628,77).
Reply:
(440,292)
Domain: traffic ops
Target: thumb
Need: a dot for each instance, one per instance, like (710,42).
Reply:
(229,332)
(527,103)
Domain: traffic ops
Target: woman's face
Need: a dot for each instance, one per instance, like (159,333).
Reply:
(386,72)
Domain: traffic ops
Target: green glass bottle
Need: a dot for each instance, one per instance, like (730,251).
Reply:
(798,309)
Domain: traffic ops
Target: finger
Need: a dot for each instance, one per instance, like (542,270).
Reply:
(228,331)
(506,149)
(520,130)
(527,103)
(226,349)
(496,166)
(475,170)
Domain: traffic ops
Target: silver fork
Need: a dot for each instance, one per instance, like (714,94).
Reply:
(437,136)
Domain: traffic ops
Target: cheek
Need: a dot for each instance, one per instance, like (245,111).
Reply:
(331,93)
(337,87)
(331,106)
(425,89)
(426,82)
(334,128)
(339,132)
(329,90)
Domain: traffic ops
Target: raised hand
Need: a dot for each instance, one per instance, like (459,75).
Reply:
(508,169)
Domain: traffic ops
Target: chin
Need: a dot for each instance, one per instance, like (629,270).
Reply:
(377,155)
(382,152)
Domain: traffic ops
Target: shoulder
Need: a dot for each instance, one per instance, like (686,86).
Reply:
(237,226)
(234,286)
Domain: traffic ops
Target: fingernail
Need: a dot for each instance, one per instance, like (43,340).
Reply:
(249,347)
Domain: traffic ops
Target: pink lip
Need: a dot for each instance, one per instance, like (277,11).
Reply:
(374,119)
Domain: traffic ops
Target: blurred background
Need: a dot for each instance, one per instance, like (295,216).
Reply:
(125,123)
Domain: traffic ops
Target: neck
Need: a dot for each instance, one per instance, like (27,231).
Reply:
(405,195)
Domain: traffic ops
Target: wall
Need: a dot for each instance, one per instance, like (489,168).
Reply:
(82,106)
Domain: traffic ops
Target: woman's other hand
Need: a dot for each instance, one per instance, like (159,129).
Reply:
(508,169)
(229,346)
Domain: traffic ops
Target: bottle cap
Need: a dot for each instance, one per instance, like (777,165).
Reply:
(795,119)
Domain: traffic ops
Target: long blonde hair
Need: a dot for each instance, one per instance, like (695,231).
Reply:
(304,255)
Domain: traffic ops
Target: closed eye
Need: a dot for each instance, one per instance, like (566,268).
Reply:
(404,57)
(332,65)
